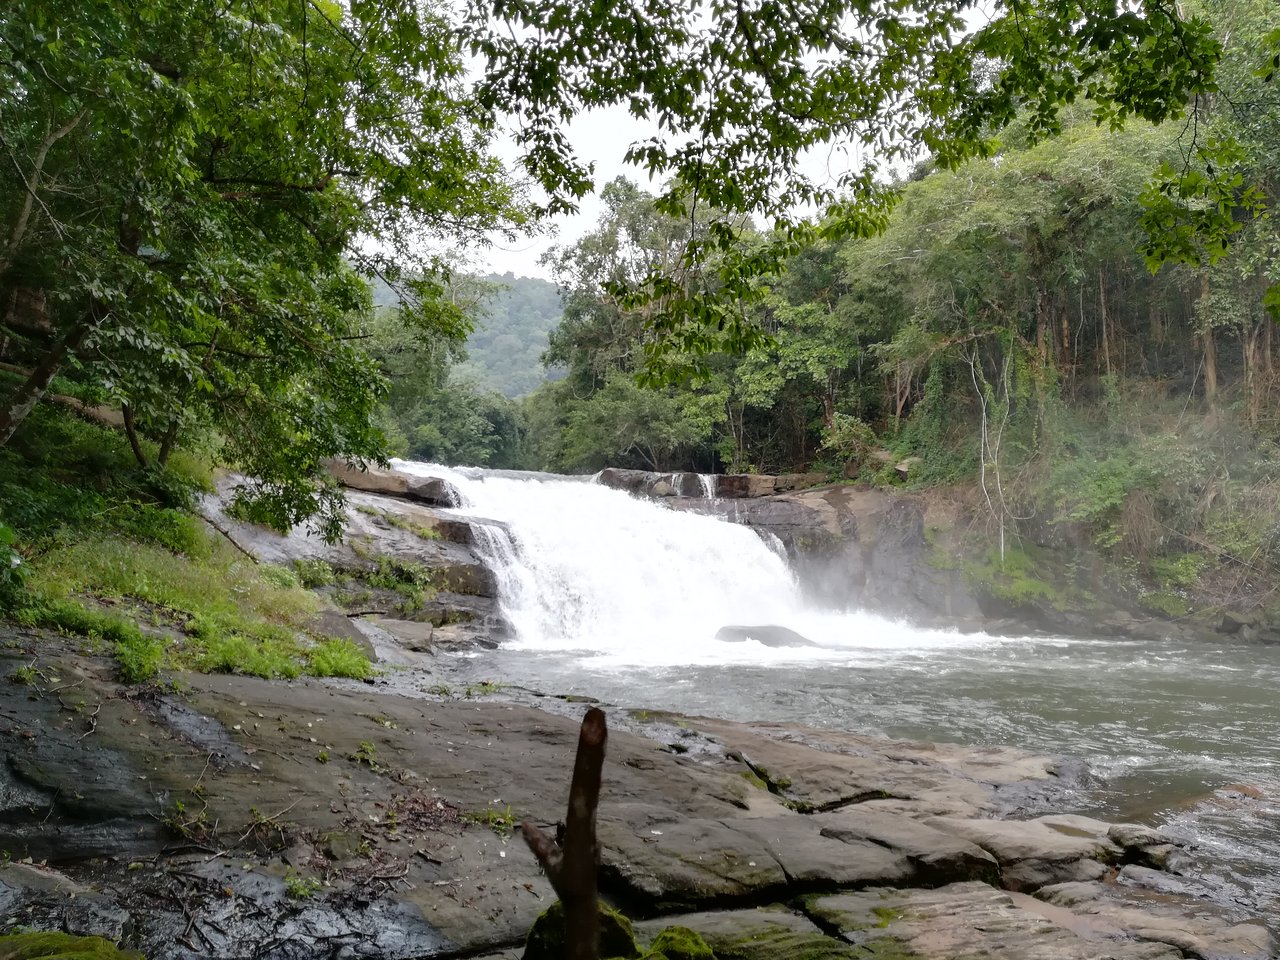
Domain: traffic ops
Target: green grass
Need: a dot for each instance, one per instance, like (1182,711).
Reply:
(113,553)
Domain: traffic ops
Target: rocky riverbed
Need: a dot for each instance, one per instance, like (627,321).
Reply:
(235,817)
(230,817)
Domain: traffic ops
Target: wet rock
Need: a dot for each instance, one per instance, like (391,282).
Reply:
(797,481)
(817,771)
(632,481)
(662,489)
(1233,621)
(410,634)
(404,808)
(933,857)
(771,635)
(40,897)
(734,486)
(392,483)
(204,733)
(966,920)
(1036,853)
(1198,929)
(686,863)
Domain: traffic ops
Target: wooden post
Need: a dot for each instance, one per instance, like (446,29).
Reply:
(571,866)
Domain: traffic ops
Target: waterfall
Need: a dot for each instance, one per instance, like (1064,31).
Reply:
(584,568)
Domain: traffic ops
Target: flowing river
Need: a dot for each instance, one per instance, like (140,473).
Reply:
(620,599)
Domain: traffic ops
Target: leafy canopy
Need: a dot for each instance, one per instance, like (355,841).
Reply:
(741,89)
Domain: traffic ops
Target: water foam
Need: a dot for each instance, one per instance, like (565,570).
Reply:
(628,581)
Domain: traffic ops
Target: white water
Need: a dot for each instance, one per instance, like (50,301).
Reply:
(626,581)
(619,599)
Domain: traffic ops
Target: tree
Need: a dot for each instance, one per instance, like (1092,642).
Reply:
(741,90)
(196,194)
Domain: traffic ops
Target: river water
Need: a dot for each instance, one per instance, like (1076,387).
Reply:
(620,598)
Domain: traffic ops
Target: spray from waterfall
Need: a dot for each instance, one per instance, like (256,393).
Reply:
(582,567)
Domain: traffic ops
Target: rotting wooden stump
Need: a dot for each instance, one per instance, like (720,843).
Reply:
(571,864)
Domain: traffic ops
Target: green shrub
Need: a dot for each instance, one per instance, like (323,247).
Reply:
(13,569)
(314,572)
(338,657)
(848,438)
(277,576)
(60,946)
(261,656)
(138,657)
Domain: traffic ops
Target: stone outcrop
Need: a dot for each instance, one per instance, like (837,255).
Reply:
(317,818)
(769,634)
(731,486)
(397,559)
(393,483)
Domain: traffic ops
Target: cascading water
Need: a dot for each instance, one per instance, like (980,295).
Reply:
(593,570)
(620,599)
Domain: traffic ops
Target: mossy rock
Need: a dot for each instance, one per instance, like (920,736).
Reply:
(546,936)
(679,943)
(60,946)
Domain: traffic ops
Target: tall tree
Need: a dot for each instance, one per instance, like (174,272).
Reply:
(197,192)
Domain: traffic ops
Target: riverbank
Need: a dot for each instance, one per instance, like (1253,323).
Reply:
(336,818)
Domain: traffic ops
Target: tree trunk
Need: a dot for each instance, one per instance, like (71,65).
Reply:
(131,431)
(166,443)
(32,185)
(1210,350)
(1068,361)
(1106,333)
(571,865)
(1210,368)
(28,394)
(1252,388)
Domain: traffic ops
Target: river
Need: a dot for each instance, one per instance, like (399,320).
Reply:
(620,598)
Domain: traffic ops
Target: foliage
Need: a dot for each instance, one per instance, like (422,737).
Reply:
(199,193)
(432,412)
(504,351)
(13,569)
(60,946)
(848,438)
(502,822)
(545,940)
(739,100)
(297,887)
(339,657)
(107,561)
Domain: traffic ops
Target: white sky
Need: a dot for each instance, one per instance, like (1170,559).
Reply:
(602,138)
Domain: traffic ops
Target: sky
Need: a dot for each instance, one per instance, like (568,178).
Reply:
(602,137)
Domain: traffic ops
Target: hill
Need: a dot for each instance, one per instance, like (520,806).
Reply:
(504,353)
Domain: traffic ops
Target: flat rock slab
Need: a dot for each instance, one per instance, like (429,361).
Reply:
(769,933)
(823,770)
(1034,853)
(935,857)
(1198,929)
(396,814)
(966,921)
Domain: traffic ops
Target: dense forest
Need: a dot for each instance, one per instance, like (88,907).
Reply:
(205,206)
(504,351)
(1048,328)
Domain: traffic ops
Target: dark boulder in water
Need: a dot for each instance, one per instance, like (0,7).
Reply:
(769,634)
